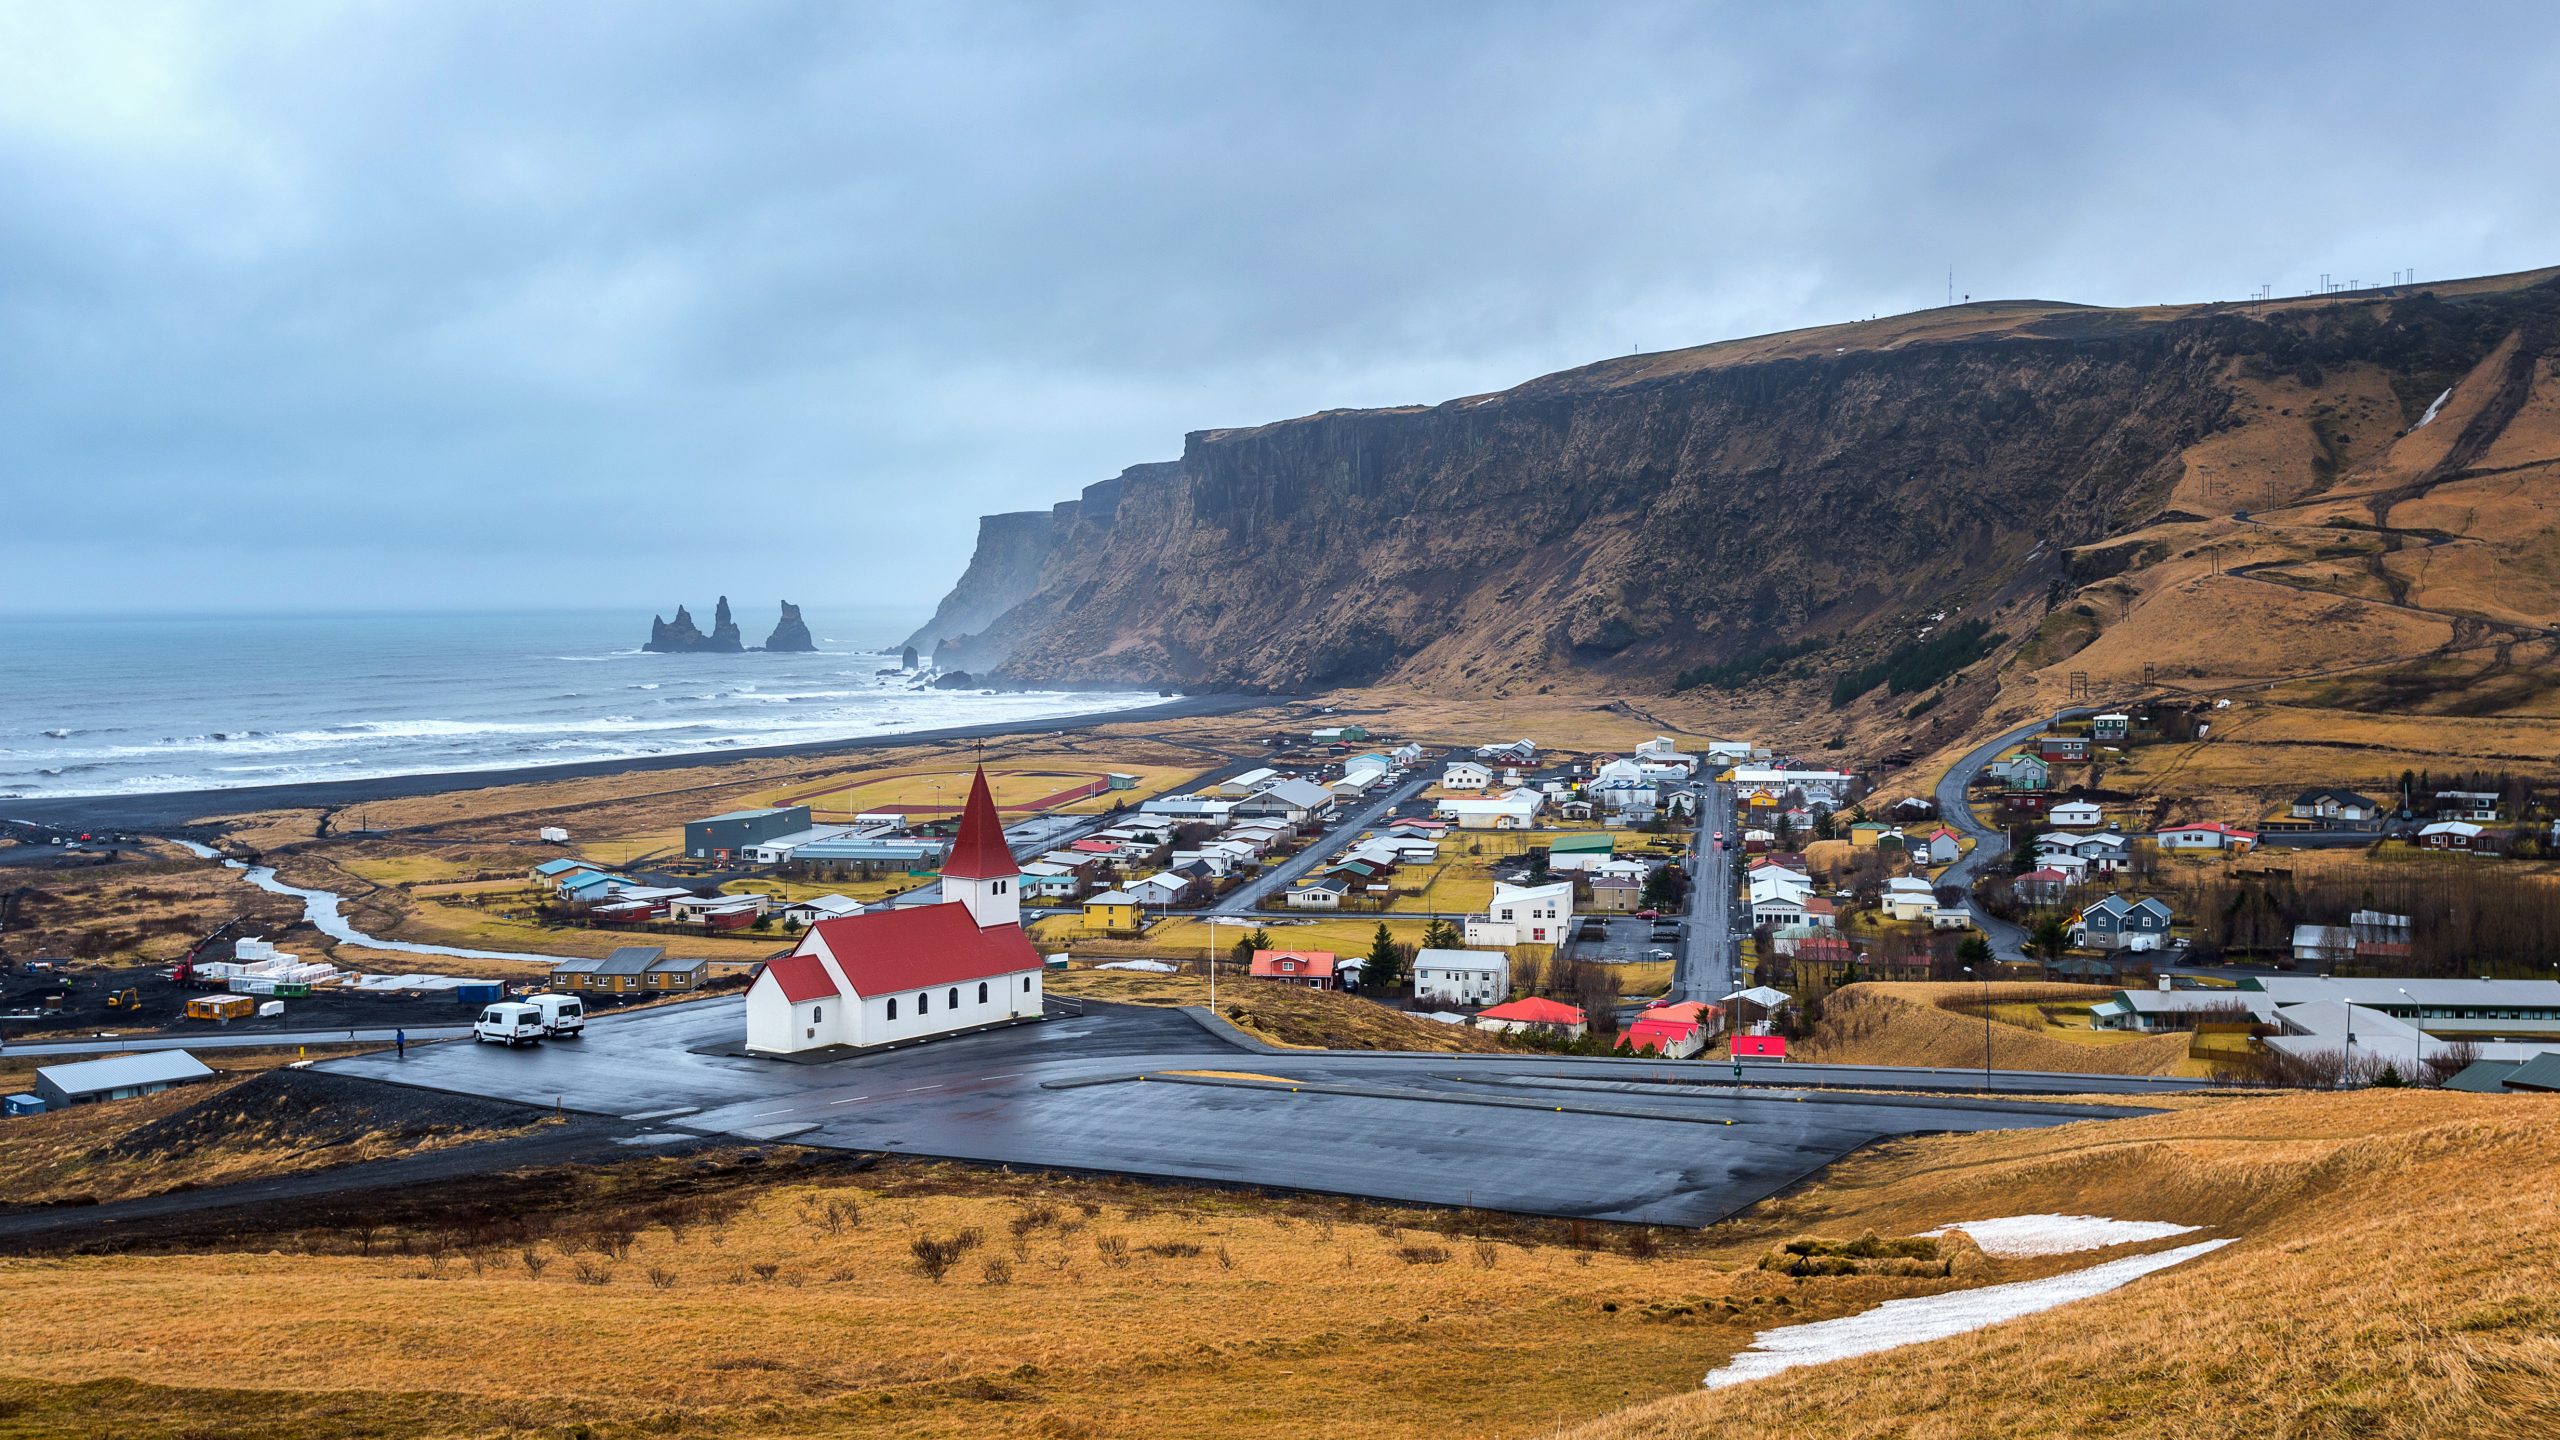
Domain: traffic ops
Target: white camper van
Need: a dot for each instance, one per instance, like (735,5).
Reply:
(510,1023)
(561,1014)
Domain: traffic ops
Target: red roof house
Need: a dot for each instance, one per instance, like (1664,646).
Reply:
(1311,968)
(1654,1033)
(1535,1013)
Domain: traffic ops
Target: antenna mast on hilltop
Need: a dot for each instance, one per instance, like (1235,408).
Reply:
(1951,285)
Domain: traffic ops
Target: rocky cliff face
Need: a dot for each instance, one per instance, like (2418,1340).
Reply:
(790,633)
(1634,518)
(684,637)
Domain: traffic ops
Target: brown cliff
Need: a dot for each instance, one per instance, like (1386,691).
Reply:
(1629,520)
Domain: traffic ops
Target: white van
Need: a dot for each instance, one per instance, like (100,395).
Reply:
(561,1014)
(510,1023)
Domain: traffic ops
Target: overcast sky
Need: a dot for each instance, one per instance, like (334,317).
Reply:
(452,305)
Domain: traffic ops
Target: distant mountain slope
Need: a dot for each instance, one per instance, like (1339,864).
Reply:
(1620,524)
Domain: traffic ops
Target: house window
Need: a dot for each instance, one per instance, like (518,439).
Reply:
(954,1001)
(1026,984)
(893,1009)
(817,1013)
(924,1003)
(982,992)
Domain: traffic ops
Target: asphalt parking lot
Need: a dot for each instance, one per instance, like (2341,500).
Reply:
(1627,940)
(1603,1139)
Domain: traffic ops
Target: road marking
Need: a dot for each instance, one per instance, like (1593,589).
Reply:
(785,1110)
(849,1099)
(910,1090)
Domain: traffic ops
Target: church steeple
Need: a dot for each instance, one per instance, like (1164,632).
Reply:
(979,872)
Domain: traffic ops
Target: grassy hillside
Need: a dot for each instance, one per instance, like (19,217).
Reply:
(1942,1026)
(2389,1281)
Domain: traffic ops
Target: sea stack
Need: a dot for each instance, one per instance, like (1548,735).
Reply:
(791,633)
(683,637)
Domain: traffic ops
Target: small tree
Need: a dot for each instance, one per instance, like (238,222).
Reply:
(1976,952)
(1441,935)
(1664,888)
(1386,960)
(2051,938)
(1241,953)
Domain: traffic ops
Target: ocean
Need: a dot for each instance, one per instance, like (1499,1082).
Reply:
(143,705)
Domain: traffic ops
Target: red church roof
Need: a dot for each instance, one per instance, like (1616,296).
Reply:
(891,950)
(979,853)
(802,977)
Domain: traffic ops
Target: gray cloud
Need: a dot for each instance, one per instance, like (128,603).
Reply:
(489,304)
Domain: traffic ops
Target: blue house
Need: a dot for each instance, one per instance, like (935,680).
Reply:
(2116,923)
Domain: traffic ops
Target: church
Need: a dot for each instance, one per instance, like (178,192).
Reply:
(892,977)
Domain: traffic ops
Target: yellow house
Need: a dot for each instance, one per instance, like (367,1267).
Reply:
(1112,910)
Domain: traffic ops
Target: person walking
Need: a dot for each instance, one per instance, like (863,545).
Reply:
(400,1046)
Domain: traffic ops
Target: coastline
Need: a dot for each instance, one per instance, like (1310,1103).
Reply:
(175,810)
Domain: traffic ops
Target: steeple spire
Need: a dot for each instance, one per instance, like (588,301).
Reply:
(979,851)
(979,872)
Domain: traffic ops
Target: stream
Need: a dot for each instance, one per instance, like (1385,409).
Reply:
(320,907)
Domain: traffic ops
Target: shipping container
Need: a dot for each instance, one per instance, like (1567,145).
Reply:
(479,992)
(221,1007)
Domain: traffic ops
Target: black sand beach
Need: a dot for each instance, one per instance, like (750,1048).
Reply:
(178,809)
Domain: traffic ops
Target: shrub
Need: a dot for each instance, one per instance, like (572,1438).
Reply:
(1423,1254)
(661,1278)
(590,1273)
(935,1257)
(997,1271)
(1114,1250)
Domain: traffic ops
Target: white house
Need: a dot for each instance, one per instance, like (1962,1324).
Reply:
(896,976)
(1161,888)
(2076,815)
(1462,977)
(1776,908)
(1524,915)
(2205,835)
(1909,899)
(1517,810)
(1465,775)
(1317,895)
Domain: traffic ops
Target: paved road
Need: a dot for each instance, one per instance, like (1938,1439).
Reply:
(1256,894)
(243,1040)
(1706,970)
(1540,1135)
(2008,941)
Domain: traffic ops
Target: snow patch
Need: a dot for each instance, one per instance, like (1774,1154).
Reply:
(2432,409)
(1148,967)
(1896,1323)
(2060,1234)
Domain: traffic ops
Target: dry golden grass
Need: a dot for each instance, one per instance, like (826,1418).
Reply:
(134,913)
(2391,1283)
(1940,1025)
(1116,1311)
